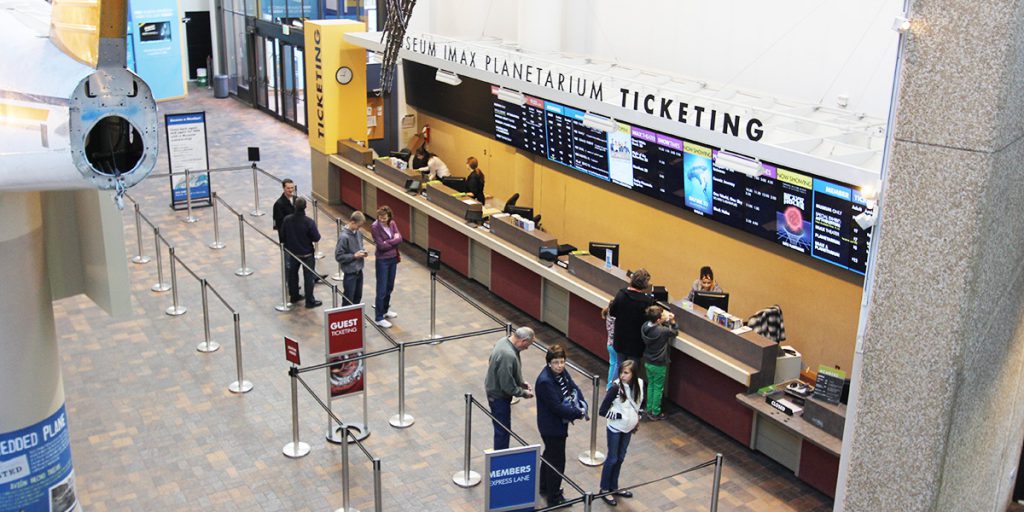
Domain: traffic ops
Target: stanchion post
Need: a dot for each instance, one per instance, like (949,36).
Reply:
(508,329)
(588,500)
(285,305)
(378,495)
(337,228)
(206,345)
(241,385)
(717,482)
(160,285)
(433,305)
(296,448)
(592,457)
(175,309)
(243,270)
(467,478)
(139,258)
(216,244)
(256,212)
(317,253)
(334,295)
(401,420)
(189,218)
(345,497)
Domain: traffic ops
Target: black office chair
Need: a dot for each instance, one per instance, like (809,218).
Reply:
(536,221)
(511,202)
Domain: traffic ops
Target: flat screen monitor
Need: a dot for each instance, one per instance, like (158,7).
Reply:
(412,186)
(474,216)
(522,211)
(708,299)
(660,293)
(548,253)
(598,250)
(455,183)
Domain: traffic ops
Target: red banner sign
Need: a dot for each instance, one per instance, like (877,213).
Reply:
(344,329)
(291,351)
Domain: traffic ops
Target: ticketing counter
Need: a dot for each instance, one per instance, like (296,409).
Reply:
(710,365)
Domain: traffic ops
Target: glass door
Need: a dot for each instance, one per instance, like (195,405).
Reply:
(287,80)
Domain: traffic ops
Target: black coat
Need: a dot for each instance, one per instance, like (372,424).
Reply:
(282,208)
(628,309)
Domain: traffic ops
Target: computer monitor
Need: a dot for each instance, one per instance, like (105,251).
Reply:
(598,250)
(708,299)
(548,253)
(413,185)
(455,183)
(660,293)
(474,216)
(522,211)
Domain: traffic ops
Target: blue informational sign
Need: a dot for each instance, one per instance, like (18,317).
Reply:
(512,481)
(35,467)
(186,150)
(156,46)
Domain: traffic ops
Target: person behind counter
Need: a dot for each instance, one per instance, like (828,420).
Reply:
(706,283)
(658,333)
(387,238)
(628,308)
(424,160)
(476,179)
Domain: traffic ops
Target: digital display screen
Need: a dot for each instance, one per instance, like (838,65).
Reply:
(797,210)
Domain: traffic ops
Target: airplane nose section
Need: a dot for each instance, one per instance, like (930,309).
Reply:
(113,128)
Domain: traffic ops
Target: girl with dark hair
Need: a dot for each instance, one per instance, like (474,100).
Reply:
(622,408)
(559,402)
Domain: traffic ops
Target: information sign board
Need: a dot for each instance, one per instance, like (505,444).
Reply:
(512,479)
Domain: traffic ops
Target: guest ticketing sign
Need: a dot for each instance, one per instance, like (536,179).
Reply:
(795,209)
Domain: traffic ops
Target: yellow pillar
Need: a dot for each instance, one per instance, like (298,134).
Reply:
(336,79)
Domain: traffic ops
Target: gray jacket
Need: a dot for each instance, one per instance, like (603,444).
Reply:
(504,372)
(657,338)
(349,243)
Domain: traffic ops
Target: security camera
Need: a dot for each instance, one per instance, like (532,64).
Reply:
(866,220)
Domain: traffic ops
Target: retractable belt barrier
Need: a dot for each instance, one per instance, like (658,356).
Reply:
(469,478)
(177,309)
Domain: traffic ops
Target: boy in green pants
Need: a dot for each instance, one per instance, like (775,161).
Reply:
(657,332)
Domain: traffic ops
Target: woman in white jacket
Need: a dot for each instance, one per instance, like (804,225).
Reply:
(622,408)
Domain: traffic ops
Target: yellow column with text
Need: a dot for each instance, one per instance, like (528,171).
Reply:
(335,84)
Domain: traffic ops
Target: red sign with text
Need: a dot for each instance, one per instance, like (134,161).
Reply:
(291,351)
(344,329)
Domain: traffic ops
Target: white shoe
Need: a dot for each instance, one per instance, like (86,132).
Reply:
(390,314)
(383,323)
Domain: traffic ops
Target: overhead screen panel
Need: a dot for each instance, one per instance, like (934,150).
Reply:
(792,208)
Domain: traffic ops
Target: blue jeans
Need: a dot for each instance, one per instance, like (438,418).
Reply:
(502,410)
(613,366)
(386,269)
(352,287)
(618,442)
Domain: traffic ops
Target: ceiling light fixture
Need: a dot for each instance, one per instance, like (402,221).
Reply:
(901,24)
(447,77)
(736,163)
(511,96)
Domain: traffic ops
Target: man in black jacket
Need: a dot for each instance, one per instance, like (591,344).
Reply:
(283,207)
(298,233)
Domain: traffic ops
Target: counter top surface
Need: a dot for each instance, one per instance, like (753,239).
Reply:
(690,346)
(796,424)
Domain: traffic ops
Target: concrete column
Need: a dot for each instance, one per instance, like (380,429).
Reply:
(31,390)
(937,411)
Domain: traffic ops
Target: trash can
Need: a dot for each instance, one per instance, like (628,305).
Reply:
(201,77)
(220,86)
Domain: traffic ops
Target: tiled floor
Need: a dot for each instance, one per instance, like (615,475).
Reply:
(154,426)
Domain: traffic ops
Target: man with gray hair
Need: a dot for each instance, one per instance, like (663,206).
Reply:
(505,380)
(351,255)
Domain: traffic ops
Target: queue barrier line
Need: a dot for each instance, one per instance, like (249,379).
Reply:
(176,309)
(586,497)
(297,449)
(471,401)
